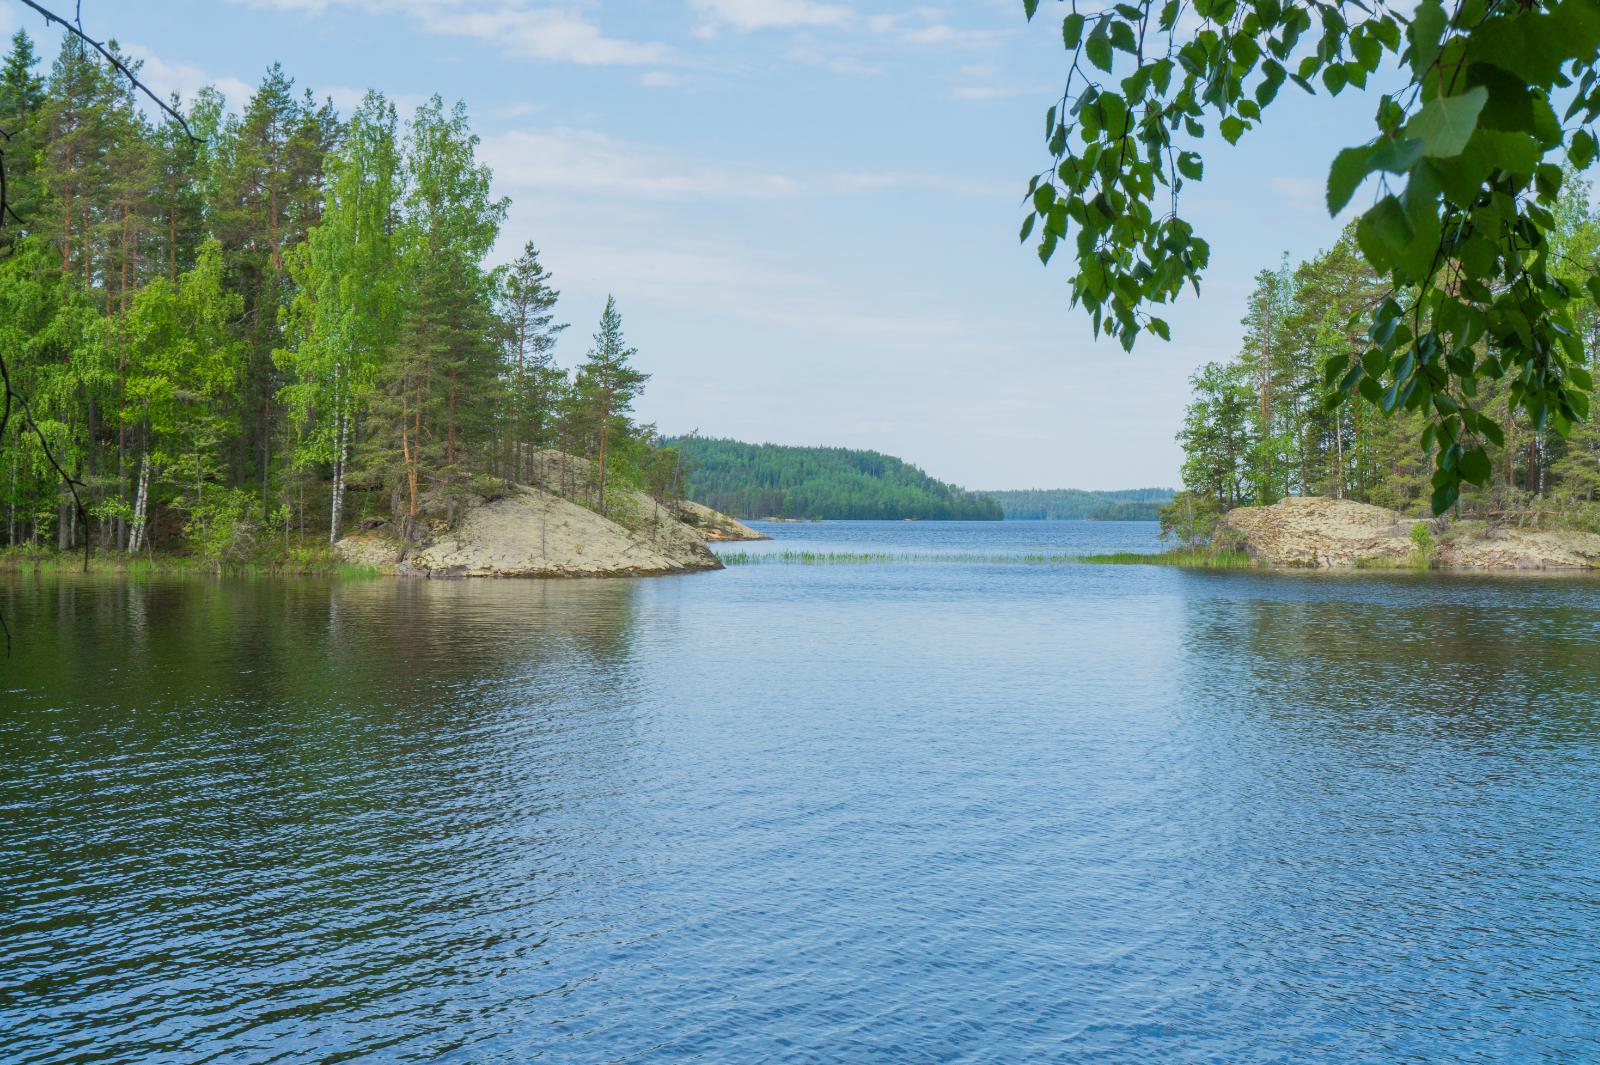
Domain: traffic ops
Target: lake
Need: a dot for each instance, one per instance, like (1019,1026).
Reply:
(956,807)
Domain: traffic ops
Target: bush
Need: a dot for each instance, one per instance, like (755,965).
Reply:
(1190,519)
(222,528)
(1422,539)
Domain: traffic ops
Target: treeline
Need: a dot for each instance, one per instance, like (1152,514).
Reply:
(276,328)
(1261,425)
(777,481)
(1076,504)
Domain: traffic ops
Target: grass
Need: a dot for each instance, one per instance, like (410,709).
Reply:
(1201,558)
(316,562)
(1198,558)
(861,558)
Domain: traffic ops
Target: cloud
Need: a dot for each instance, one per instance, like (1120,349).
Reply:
(1303,194)
(746,15)
(730,283)
(992,92)
(589,162)
(556,33)
(592,163)
(185,79)
(545,33)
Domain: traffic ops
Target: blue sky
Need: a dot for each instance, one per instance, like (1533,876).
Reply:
(807,209)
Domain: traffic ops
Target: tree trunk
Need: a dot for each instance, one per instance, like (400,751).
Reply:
(140,505)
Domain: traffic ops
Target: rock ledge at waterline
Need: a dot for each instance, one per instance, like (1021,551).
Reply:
(1338,534)
(526,531)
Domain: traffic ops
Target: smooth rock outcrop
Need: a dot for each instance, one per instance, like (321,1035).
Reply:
(531,532)
(1336,534)
(713,525)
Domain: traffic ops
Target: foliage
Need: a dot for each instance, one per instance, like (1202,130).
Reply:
(773,480)
(1422,540)
(1190,519)
(1468,158)
(1189,557)
(1074,504)
(222,526)
(238,343)
(1256,430)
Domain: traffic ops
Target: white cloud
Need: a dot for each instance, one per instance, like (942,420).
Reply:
(995,91)
(772,14)
(879,181)
(165,77)
(729,283)
(185,79)
(544,33)
(585,161)
(592,163)
(517,110)
(1303,194)
(558,33)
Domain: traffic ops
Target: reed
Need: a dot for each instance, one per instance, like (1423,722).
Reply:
(1200,558)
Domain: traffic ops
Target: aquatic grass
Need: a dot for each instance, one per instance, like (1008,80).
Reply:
(313,562)
(1197,559)
(861,558)
(1221,560)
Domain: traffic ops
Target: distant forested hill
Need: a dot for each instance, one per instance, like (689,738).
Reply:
(772,480)
(1066,504)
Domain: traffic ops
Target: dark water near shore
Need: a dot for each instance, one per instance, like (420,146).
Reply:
(936,811)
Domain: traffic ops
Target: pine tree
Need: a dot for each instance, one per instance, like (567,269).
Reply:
(535,384)
(607,384)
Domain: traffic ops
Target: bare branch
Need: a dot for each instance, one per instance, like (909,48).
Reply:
(76,29)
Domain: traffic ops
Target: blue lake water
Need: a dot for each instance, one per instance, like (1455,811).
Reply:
(939,810)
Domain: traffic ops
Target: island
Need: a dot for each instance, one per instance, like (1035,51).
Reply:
(535,530)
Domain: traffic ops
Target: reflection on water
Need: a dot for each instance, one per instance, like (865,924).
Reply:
(929,811)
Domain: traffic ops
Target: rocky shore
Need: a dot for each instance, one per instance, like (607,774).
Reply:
(1338,534)
(535,531)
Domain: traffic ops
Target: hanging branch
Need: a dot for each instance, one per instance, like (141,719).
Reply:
(75,28)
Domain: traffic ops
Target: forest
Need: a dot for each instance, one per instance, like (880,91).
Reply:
(237,344)
(777,481)
(1076,504)
(1270,422)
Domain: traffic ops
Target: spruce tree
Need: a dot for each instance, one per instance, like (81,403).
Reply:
(607,384)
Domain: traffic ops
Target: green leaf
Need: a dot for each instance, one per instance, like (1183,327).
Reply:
(1098,49)
(1161,329)
(1426,30)
(1027,227)
(1475,467)
(1446,123)
(1030,8)
(1122,38)
(1445,496)
(1350,169)
(1232,128)
(1190,165)
(1071,30)
(1515,153)
(1383,233)
(1396,155)
(1583,149)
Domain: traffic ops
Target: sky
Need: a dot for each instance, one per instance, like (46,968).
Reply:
(807,210)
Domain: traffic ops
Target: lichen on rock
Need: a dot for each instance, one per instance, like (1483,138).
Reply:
(1310,531)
